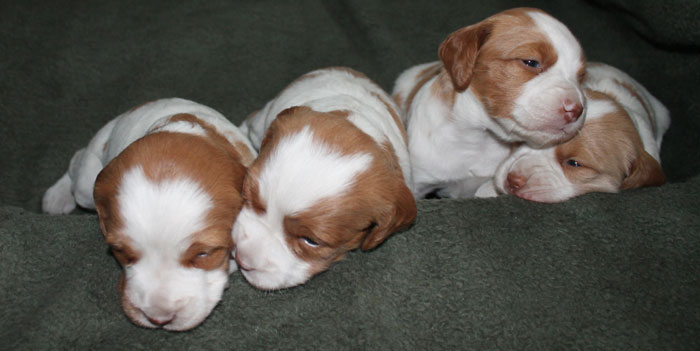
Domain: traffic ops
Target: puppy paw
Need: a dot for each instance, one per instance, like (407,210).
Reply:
(487,189)
(58,199)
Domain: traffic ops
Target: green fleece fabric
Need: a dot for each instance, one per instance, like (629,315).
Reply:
(602,271)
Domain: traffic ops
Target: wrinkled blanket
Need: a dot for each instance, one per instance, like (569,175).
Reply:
(602,271)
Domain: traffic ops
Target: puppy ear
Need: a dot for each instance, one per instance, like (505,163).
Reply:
(459,52)
(400,212)
(644,171)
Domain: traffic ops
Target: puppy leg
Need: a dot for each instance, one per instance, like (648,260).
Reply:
(84,168)
(465,188)
(59,199)
(487,189)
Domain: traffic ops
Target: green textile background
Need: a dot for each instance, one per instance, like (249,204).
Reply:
(602,271)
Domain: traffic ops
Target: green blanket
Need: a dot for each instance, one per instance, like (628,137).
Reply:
(602,271)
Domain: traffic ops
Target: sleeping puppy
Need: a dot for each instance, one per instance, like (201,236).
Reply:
(332,176)
(167,179)
(617,148)
(513,77)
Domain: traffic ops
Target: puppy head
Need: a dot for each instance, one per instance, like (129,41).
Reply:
(319,189)
(606,156)
(526,68)
(166,206)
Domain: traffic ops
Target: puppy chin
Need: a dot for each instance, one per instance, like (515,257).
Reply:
(540,137)
(188,317)
(266,280)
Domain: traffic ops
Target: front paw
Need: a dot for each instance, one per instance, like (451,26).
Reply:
(487,189)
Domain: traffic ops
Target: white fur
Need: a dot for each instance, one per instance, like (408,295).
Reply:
(546,180)
(303,171)
(456,149)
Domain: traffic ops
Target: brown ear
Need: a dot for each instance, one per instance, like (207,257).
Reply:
(459,52)
(103,194)
(399,214)
(644,171)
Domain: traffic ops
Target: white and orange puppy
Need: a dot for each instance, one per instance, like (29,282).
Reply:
(514,77)
(332,176)
(167,194)
(617,148)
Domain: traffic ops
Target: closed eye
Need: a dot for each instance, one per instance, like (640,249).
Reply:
(124,256)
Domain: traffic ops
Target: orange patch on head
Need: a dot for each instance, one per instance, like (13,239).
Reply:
(211,162)
(609,148)
(488,57)
(377,204)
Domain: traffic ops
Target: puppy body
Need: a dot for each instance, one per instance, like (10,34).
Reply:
(512,78)
(617,148)
(165,179)
(332,176)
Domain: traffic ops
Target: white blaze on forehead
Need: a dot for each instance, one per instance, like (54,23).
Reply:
(568,49)
(169,210)
(160,218)
(302,171)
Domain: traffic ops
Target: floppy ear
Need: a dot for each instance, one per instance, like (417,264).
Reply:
(101,195)
(644,171)
(459,52)
(398,214)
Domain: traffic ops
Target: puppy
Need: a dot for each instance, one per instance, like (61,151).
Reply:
(332,176)
(167,178)
(617,148)
(513,77)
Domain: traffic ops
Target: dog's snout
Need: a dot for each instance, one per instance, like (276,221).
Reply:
(571,110)
(160,322)
(514,182)
(241,265)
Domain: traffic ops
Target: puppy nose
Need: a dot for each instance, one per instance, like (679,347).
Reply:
(160,322)
(571,110)
(515,181)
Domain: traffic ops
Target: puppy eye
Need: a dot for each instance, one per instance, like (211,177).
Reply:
(573,163)
(309,241)
(531,63)
(202,254)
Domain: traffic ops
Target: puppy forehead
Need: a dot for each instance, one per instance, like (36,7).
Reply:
(560,37)
(302,170)
(167,211)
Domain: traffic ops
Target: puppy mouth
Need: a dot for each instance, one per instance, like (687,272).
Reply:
(242,266)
